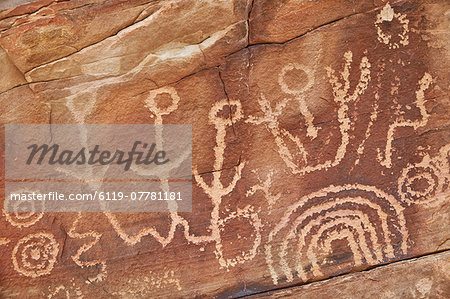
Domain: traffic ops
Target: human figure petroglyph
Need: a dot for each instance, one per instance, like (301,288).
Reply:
(216,190)
(299,94)
(343,97)
(385,157)
(368,218)
(35,255)
(157,112)
(426,182)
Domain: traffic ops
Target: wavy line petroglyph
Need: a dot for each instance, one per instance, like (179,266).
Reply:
(342,96)
(35,255)
(80,111)
(95,236)
(387,14)
(424,84)
(368,218)
(426,182)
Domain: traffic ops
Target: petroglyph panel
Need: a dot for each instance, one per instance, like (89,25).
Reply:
(320,145)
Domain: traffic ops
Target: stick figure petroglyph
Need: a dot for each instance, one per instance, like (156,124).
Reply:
(216,191)
(385,158)
(158,113)
(342,96)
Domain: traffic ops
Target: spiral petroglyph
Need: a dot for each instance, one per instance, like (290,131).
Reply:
(426,182)
(35,255)
(23,219)
(369,220)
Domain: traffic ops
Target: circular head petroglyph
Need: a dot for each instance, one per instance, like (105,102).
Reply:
(283,79)
(152,105)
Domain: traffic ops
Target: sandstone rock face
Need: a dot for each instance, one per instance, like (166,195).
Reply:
(425,277)
(321,145)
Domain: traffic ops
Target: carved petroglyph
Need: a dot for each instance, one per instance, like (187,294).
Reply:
(80,108)
(216,191)
(157,112)
(426,182)
(265,188)
(144,287)
(4,241)
(35,255)
(65,291)
(424,84)
(368,219)
(95,238)
(342,97)
(298,93)
(377,83)
(22,219)
(387,14)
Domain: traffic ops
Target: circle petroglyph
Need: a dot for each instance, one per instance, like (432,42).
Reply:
(23,213)
(35,255)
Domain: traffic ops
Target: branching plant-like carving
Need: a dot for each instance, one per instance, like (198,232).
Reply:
(366,218)
(342,96)
(264,187)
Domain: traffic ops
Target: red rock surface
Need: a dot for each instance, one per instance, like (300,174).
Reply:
(321,145)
